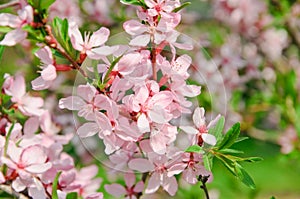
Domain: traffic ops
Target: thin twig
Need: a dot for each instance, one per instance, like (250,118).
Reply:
(74,63)
(203,180)
(9,4)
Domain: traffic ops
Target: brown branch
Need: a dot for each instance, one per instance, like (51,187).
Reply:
(9,4)
(10,191)
(74,63)
(204,179)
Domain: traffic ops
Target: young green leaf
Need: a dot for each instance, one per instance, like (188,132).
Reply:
(230,151)
(244,176)
(252,159)
(106,78)
(230,137)
(208,161)
(194,149)
(134,2)
(72,195)
(1,51)
(54,186)
(44,4)
(182,6)
(217,129)
(240,139)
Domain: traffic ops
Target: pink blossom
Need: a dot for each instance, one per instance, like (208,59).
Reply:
(158,167)
(28,105)
(190,164)
(130,191)
(25,17)
(92,45)
(201,130)
(161,6)
(48,73)
(84,103)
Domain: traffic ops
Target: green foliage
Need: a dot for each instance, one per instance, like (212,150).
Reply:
(72,195)
(60,30)
(182,6)
(218,128)
(222,151)
(134,2)
(54,186)
(1,51)
(41,4)
(194,149)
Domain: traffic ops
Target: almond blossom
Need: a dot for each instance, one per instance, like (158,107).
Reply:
(25,17)
(158,167)
(48,73)
(201,130)
(91,45)
(130,191)
(28,105)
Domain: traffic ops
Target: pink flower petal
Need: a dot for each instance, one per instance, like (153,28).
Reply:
(27,157)
(49,73)
(10,20)
(39,168)
(45,55)
(99,37)
(176,169)
(158,143)
(134,27)
(139,187)
(40,84)
(198,117)
(88,129)
(170,185)
(141,40)
(31,126)
(141,165)
(189,130)
(209,139)
(143,123)
(76,38)
(116,190)
(71,103)
(129,179)
(13,37)
(153,184)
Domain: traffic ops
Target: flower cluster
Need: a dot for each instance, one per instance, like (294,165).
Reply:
(32,149)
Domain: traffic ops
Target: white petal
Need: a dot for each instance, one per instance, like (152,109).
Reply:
(189,130)
(209,139)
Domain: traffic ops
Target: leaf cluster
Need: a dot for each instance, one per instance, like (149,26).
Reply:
(227,155)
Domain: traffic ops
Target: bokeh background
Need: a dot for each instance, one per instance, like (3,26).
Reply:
(246,58)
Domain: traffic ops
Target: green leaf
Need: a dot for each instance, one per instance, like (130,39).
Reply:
(272,197)
(1,51)
(252,159)
(72,195)
(45,4)
(244,176)
(218,129)
(194,149)
(182,6)
(227,163)
(54,186)
(230,137)
(106,78)
(240,139)
(134,2)
(230,151)
(5,29)
(208,161)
